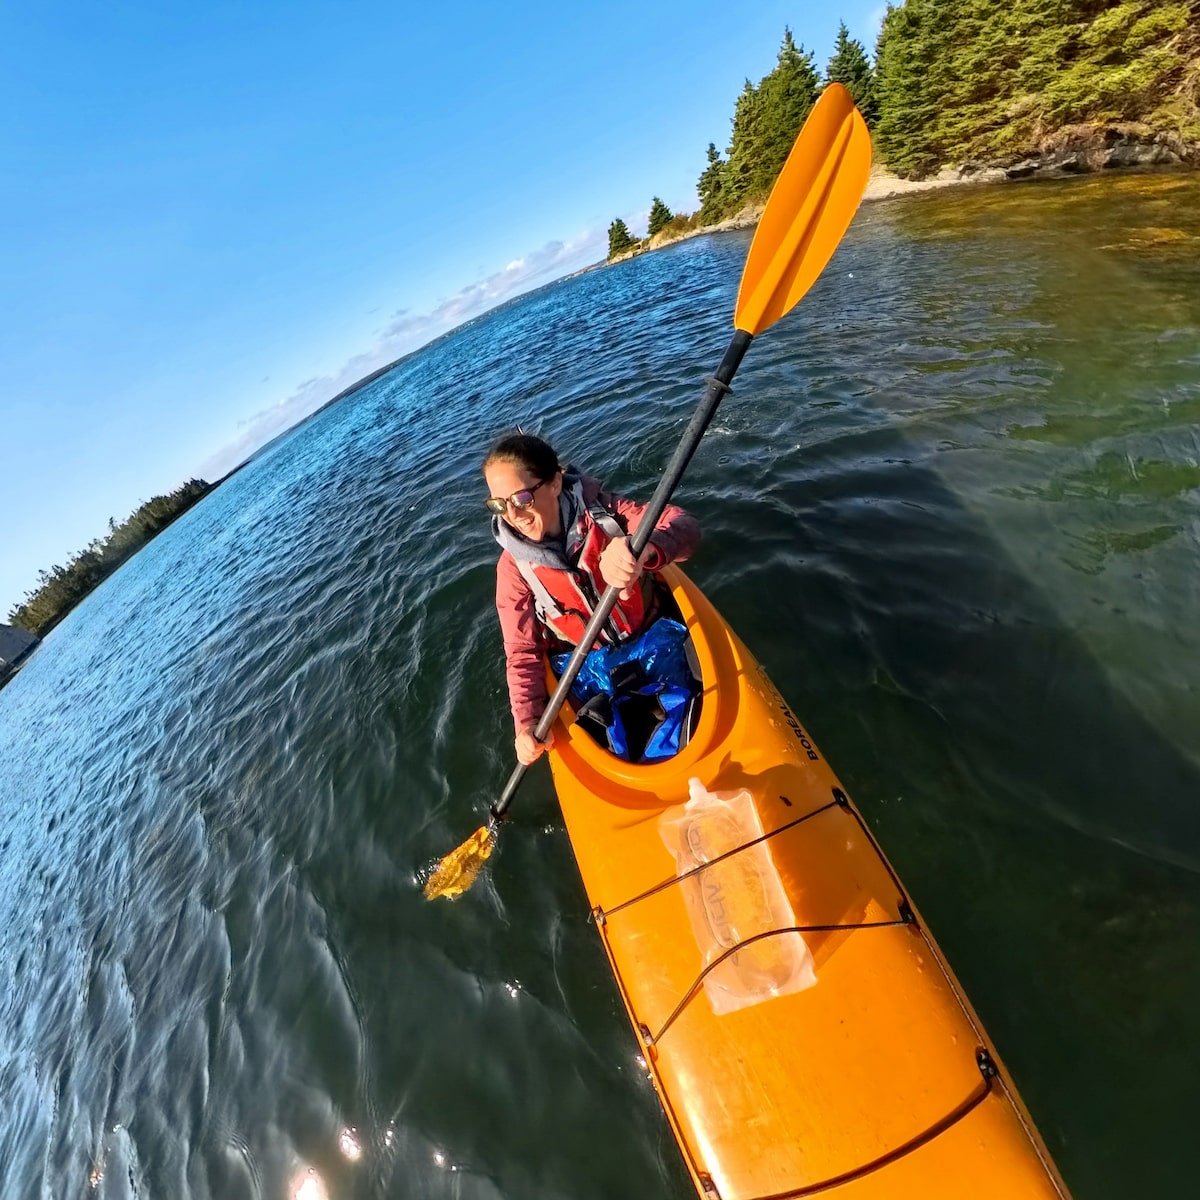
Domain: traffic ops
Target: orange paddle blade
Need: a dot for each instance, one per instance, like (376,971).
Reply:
(457,871)
(811,205)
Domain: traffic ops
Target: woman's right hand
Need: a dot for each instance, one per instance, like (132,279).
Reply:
(529,749)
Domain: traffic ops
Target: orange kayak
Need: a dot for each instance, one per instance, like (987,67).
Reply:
(802,1029)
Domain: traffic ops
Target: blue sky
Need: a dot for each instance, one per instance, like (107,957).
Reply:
(217,216)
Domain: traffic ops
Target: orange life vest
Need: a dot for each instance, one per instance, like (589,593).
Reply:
(565,600)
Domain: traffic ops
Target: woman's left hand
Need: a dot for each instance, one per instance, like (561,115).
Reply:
(618,567)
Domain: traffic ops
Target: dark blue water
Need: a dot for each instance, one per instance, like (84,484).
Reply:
(953,506)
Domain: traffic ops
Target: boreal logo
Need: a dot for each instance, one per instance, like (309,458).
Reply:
(790,717)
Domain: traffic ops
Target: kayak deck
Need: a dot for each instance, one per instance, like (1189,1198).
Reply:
(878,1080)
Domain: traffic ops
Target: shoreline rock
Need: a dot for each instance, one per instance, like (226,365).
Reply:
(1085,149)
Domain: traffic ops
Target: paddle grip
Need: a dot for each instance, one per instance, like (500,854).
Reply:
(714,393)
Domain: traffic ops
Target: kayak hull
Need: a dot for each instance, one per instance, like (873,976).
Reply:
(878,1081)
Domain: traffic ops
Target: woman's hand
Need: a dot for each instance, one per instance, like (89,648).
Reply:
(529,749)
(617,565)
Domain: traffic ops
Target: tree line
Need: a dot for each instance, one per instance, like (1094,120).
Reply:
(61,588)
(953,82)
(988,81)
(766,118)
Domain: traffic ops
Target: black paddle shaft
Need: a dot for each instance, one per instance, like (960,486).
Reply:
(718,385)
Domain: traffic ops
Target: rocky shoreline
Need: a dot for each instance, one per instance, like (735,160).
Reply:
(1072,150)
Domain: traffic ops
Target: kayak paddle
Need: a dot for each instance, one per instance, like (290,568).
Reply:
(809,209)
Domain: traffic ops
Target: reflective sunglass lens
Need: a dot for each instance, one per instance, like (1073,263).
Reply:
(521,499)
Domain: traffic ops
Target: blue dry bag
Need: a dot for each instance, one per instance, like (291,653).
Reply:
(645,680)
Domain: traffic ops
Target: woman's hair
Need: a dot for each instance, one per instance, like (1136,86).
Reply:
(525,451)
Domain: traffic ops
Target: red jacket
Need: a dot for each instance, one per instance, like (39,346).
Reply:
(525,637)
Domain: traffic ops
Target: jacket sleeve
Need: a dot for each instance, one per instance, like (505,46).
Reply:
(521,632)
(675,537)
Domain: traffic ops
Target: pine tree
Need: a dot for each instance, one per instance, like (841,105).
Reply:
(991,79)
(660,215)
(908,109)
(743,147)
(785,97)
(711,188)
(619,238)
(849,65)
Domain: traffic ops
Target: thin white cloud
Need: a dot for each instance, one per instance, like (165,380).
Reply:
(406,332)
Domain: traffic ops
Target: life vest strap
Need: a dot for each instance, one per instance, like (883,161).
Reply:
(607,522)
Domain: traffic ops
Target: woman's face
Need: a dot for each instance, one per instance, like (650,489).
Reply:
(540,519)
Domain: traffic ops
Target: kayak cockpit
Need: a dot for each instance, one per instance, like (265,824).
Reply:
(715,663)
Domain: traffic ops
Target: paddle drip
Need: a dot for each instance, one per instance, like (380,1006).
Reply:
(457,871)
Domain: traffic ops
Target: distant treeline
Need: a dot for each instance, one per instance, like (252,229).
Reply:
(61,588)
(962,81)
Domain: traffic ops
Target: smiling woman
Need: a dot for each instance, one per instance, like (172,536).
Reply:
(563,540)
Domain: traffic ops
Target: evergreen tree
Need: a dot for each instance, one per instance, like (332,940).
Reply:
(904,130)
(660,215)
(619,238)
(990,79)
(743,147)
(849,65)
(61,589)
(785,97)
(711,187)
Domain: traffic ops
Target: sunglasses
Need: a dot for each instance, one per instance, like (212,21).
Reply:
(521,499)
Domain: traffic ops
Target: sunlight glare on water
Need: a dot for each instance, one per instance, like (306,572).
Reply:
(309,1186)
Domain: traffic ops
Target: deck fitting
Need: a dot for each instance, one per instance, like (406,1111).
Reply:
(986,1064)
